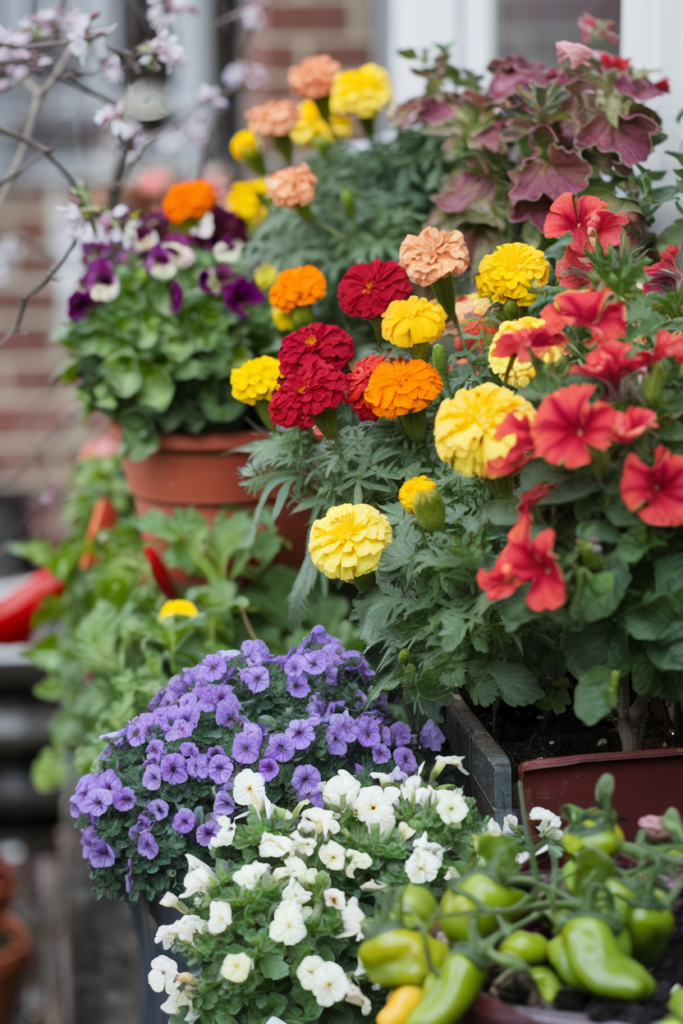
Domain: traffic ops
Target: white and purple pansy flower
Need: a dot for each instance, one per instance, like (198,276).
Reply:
(101,282)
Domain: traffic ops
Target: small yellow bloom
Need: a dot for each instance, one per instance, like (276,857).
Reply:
(179,606)
(244,200)
(361,91)
(510,271)
(243,144)
(311,125)
(264,276)
(521,373)
(341,126)
(465,426)
(413,321)
(256,380)
(283,321)
(412,487)
(348,541)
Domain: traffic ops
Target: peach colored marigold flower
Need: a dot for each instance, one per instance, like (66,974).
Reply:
(312,77)
(509,272)
(275,118)
(414,486)
(465,428)
(348,541)
(399,387)
(299,286)
(292,186)
(433,254)
(413,321)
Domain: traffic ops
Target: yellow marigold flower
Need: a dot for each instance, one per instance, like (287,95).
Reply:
(298,286)
(465,426)
(256,380)
(348,541)
(311,125)
(413,321)
(283,321)
(243,144)
(244,200)
(412,487)
(342,127)
(521,373)
(264,276)
(510,271)
(178,606)
(361,91)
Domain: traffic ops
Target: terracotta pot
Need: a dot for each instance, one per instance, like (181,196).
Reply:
(15,947)
(489,1010)
(203,472)
(8,880)
(647,782)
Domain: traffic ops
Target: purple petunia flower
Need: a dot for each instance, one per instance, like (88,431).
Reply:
(298,686)
(74,806)
(256,678)
(318,635)
(137,730)
(301,732)
(84,784)
(268,768)
(281,747)
(223,804)
(256,651)
(431,736)
(216,749)
(227,708)
(155,750)
(173,769)
(184,820)
(176,293)
(246,746)
(124,799)
(80,305)
(368,731)
(381,753)
(207,831)
(345,727)
(159,808)
(317,662)
(212,668)
(143,824)
(189,749)
(305,780)
(129,876)
(295,665)
(110,780)
(101,854)
(198,767)
(220,769)
(400,734)
(96,801)
(334,744)
(315,797)
(152,777)
(147,845)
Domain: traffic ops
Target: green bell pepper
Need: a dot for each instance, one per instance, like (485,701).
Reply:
(547,982)
(557,957)
(650,930)
(597,961)
(675,1003)
(592,836)
(586,866)
(397,957)
(530,946)
(418,905)
(449,997)
(499,898)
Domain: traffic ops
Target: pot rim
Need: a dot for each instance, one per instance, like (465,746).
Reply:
(615,755)
(215,442)
(498,1012)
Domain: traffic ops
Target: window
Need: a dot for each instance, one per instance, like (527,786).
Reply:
(531,27)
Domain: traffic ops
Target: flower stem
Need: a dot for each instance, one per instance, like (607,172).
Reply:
(368,126)
(264,414)
(284,144)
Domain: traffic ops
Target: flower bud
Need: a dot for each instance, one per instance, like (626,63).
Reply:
(440,363)
(429,508)
(301,316)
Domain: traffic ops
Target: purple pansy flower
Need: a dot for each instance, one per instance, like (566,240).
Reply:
(431,736)
(184,820)
(173,769)
(281,747)
(207,831)
(176,293)
(256,678)
(223,804)
(305,779)
(268,768)
(220,769)
(80,305)
(161,263)
(214,279)
(405,760)
(159,808)
(147,845)
(212,668)
(124,799)
(101,282)
(301,732)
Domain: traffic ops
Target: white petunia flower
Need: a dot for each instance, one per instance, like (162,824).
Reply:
(423,843)
(549,824)
(249,789)
(422,866)
(272,845)
(199,878)
(441,763)
(451,806)
(236,967)
(226,835)
(373,885)
(356,997)
(406,831)
(510,824)
(248,876)
(176,1002)
(295,891)
(288,925)
(162,976)
(329,984)
(493,828)
(307,969)
(352,917)
(332,855)
(334,898)
(302,846)
(220,916)
(309,877)
(170,900)
(357,862)
(293,867)
(188,925)
(451,873)
(317,819)
(166,934)
(341,790)
(374,806)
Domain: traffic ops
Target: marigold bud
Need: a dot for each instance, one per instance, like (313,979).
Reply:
(430,510)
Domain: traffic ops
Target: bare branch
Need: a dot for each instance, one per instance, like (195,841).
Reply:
(43,150)
(25,299)
(20,170)
(70,79)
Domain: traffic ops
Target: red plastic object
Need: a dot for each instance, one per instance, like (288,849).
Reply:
(161,573)
(103,515)
(647,782)
(15,948)
(490,1010)
(17,610)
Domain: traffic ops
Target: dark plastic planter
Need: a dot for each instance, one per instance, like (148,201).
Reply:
(489,1010)
(490,778)
(147,917)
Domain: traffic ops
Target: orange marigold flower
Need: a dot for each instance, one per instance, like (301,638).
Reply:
(300,286)
(292,186)
(275,118)
(433,254)
(399,387)
(312,78)
(188,200)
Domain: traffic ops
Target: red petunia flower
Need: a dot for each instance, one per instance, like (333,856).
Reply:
(366,289)
(521,452)
(533,496)
(662,85)
(664,275)
(358,381)
(667,346)
(611,361)
(654,493)
(588,219)
(610,60)
(528,341)
(567,426)
(633,423)
(328,342)
(606,319)
(573,269)
(306,392)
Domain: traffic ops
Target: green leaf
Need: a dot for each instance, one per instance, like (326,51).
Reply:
(516,683)
(501,512)
(603,644)
(659,618)
(595,694)
(668,573)
(667,658)
(158,388)
(123,375)
(599,594)
(453,629)
(273,966)
(514,611)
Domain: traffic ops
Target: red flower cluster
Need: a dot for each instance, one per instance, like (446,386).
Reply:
(611,361)
(567,426)
(366,289)
(589,220)
(668,345)
(307,391)
(527,342)
(593,309)
(665,275)
(358,381)
(330,343)
(654,493)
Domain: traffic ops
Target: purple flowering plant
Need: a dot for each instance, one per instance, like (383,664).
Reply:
(167,776)
(160,317)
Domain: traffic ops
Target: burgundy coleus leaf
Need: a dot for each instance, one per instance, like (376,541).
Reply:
(431,109)
(536,212)
(631,140)
(463,189)
(489,138)
(640,89)
(549,171)
(513,71)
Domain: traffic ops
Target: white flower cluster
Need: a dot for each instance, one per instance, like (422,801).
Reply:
(164,977)
(549,827)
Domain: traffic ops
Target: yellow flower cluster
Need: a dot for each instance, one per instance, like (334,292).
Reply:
(414,486)
(361,91)
(244,200)
(348,541)
(465,426)
(264,276)
(312,125)
(521,373)
(413,321)
(244,144)
(509,272)
(179,606)
(256,380)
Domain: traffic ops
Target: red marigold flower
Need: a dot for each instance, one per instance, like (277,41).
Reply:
(523,559)
(611,361)
(588,219)
(324,340)
(521,452)
(567,426)
(632,423)
(358,381)
(366,289)
(667,346)
(654,493)
(610,60)
(664,275)
(307,391)
(606,319)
